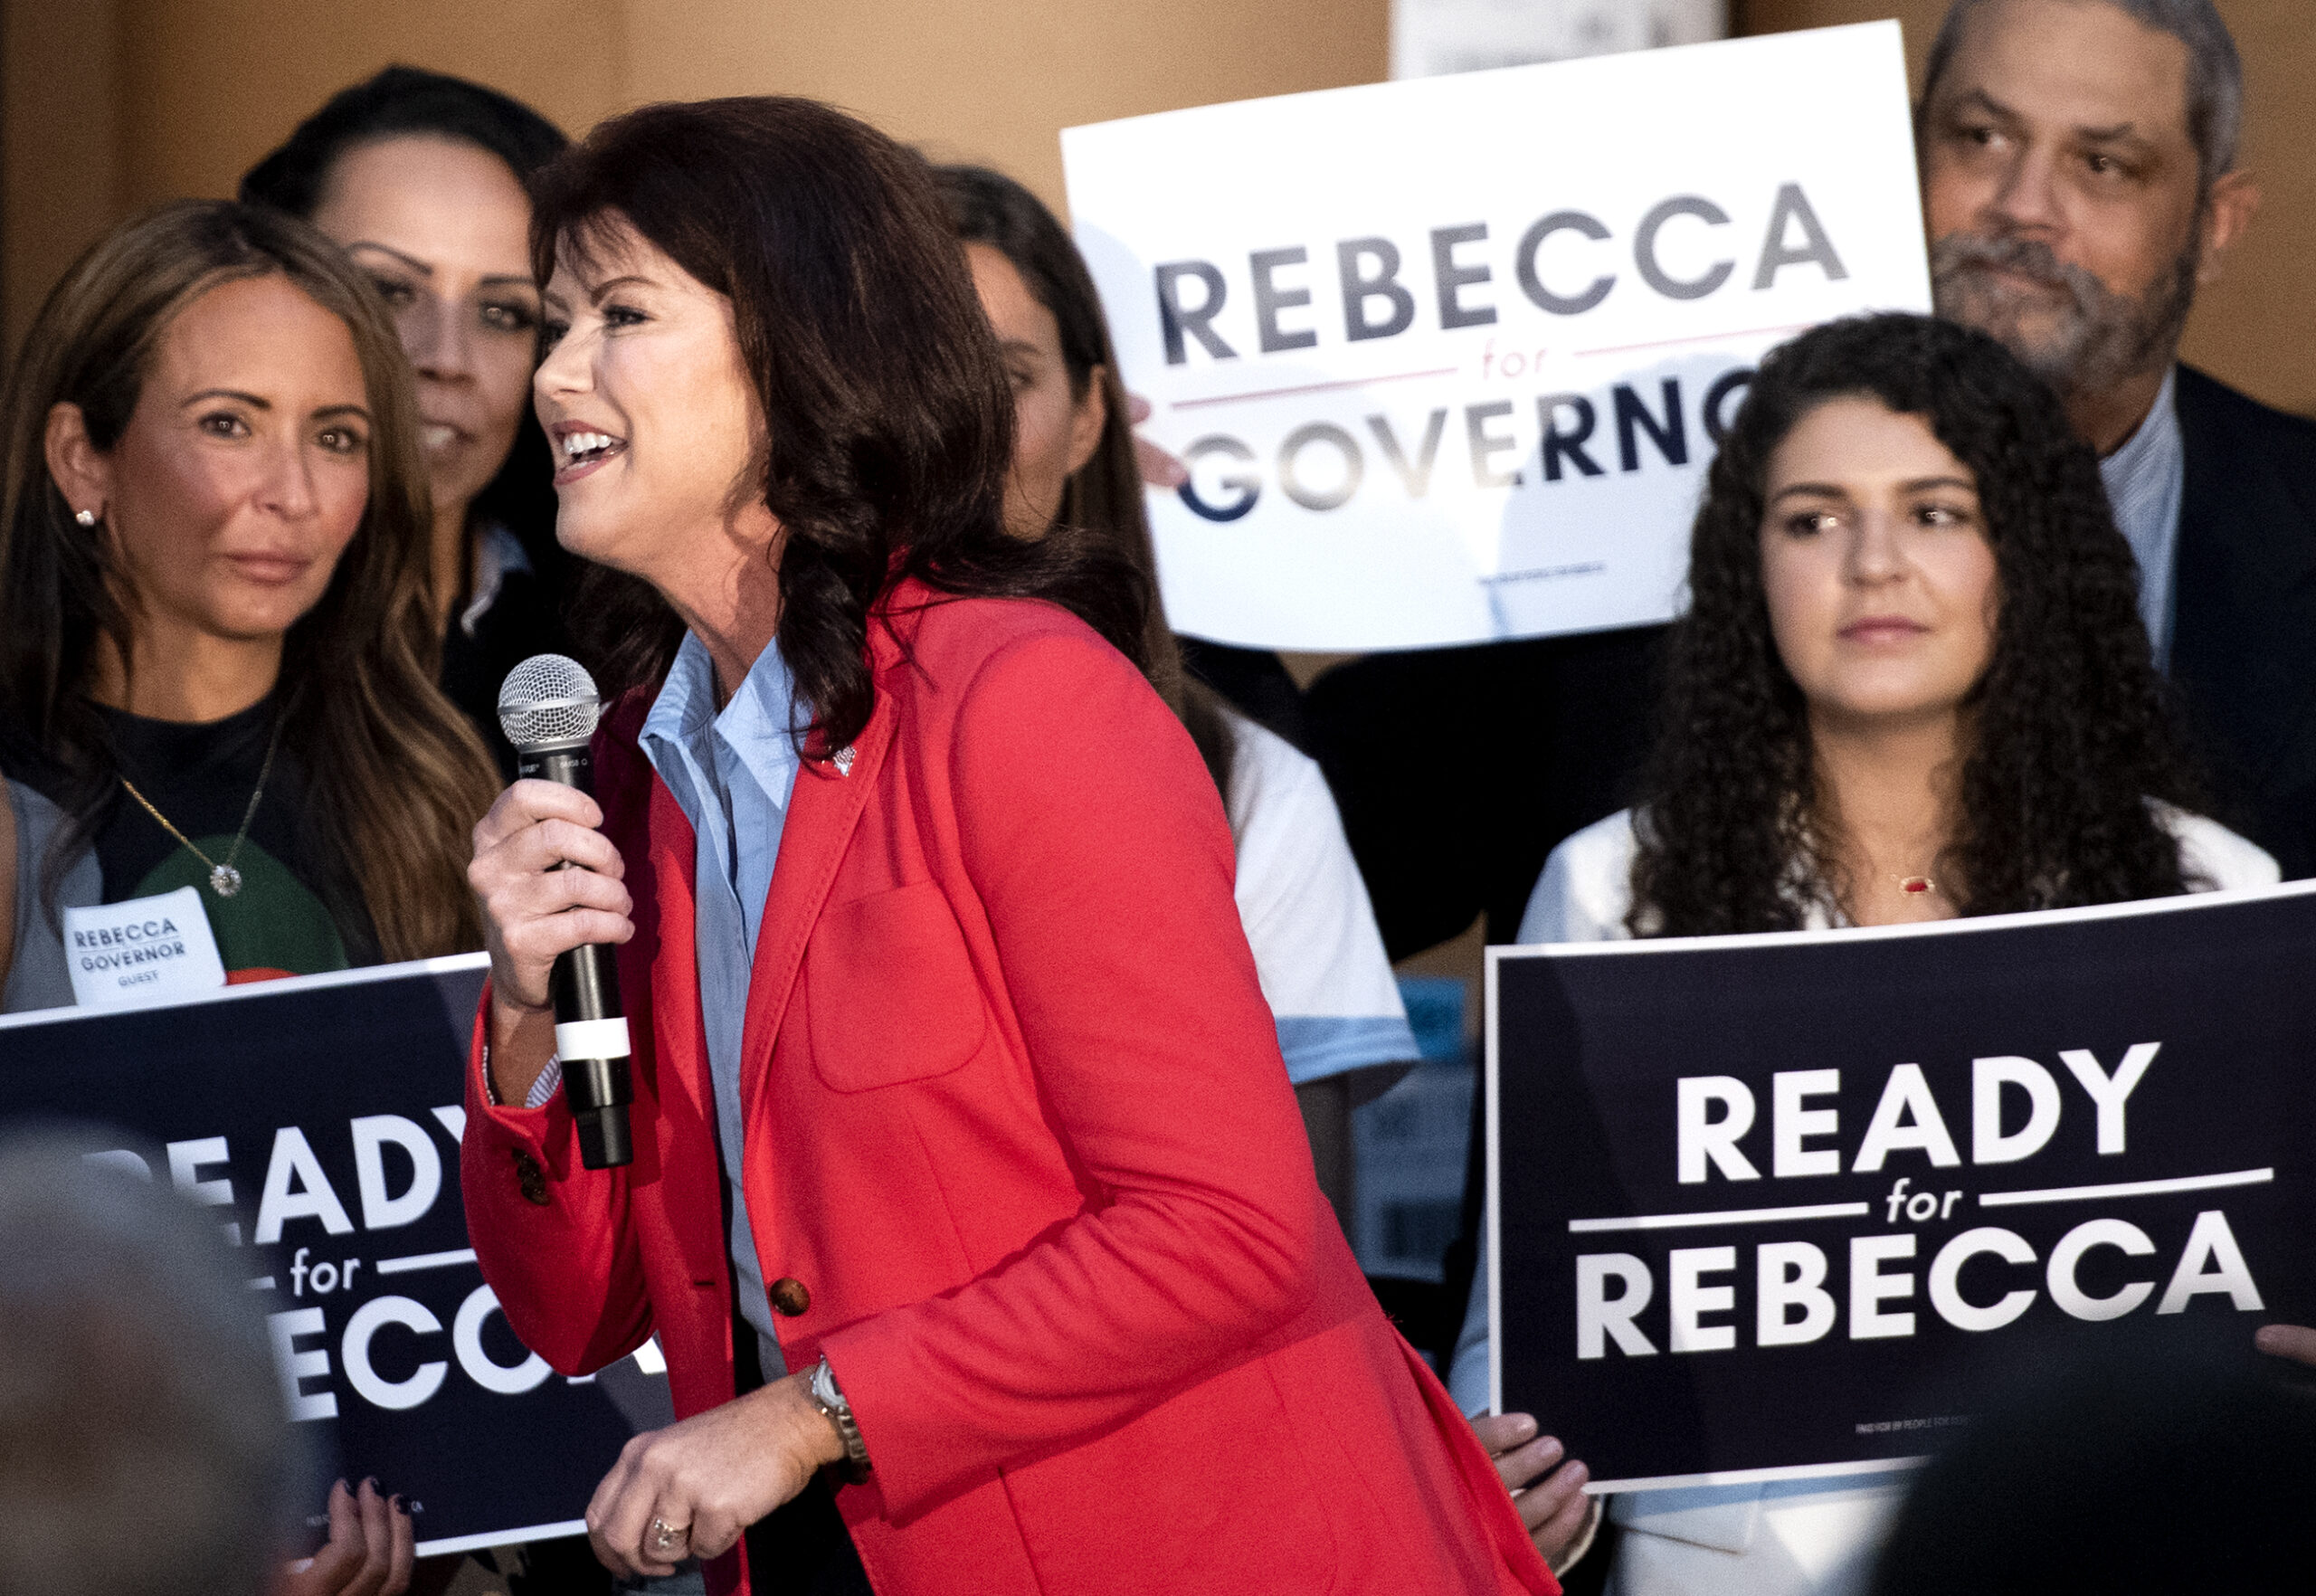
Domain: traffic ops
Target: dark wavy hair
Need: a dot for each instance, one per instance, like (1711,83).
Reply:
(404,101)
(2070,733)
(1103,497)
(888,414)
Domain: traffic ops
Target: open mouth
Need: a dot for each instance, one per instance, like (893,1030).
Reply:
(586,448)
(434,437)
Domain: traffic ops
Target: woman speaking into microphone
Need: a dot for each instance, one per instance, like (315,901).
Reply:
(970,1205)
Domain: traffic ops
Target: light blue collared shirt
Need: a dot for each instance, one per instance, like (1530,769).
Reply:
(733,774)
(2145,478)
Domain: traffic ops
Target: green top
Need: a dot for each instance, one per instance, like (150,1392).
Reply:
(274,926)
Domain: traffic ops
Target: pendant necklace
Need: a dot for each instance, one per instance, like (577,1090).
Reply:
(1915,883)
(224,881)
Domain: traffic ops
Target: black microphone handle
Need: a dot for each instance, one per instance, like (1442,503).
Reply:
(590,1025)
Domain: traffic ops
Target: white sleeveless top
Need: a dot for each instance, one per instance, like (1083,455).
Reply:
(1586,890)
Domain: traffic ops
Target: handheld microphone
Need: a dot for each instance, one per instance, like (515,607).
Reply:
(548,710)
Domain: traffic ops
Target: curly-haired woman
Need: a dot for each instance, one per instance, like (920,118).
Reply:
(1911,685)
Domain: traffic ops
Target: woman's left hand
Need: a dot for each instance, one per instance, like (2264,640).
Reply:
(709,1477)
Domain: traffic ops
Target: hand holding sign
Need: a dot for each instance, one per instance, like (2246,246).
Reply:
(318,1119)
(1443,361)
(2296,1342)
(1548,1492)
(369,1553)
(1790,1206)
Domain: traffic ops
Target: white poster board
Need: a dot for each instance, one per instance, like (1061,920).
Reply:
(1448,357)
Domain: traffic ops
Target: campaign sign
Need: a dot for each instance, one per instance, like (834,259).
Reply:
(321,1118)
(1770,1206)
(1447,358)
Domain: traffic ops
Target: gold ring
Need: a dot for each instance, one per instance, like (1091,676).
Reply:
(666,1537)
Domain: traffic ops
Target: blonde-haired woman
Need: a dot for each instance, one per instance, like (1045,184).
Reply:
(216,658)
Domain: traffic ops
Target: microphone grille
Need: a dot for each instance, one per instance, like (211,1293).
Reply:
(548,701)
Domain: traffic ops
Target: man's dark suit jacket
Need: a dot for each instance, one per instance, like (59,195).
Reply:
(2244,614)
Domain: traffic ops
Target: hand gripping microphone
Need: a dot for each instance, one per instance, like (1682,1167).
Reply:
(549,710)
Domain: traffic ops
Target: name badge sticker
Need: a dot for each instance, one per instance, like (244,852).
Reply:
(144,950)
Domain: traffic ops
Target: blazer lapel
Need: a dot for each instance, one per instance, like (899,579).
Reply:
(679,1031)
(822,814)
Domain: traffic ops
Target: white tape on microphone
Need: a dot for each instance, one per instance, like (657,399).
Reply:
(592,1039)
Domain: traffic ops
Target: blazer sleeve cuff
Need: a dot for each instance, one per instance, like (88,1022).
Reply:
(541,1127)
(913,1470)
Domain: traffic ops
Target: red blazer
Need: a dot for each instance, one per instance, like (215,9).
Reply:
(1015,1117)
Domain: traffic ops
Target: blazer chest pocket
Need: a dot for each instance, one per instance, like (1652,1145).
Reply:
(890,991)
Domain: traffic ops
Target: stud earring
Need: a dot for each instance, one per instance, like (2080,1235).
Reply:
(86,517)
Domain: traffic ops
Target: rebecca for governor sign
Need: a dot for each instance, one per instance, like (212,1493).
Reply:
(321,1119)
(1782,1206)
(1446,357)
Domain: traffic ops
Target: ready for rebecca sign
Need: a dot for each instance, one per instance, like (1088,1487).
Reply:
(1776,1205)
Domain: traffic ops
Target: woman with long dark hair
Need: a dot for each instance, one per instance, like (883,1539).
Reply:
(1342,1027)
(1929,706)
(955,1089)
(1911,685)
(2039,770)
(216,660)
(419,177)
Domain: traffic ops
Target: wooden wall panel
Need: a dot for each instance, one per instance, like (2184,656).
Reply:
(115,103)
(997,81)
(211,85)
(61,160)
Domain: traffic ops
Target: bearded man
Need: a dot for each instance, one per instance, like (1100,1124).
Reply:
(2080,183)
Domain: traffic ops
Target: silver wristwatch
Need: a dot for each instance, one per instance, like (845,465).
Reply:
(831,1401)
